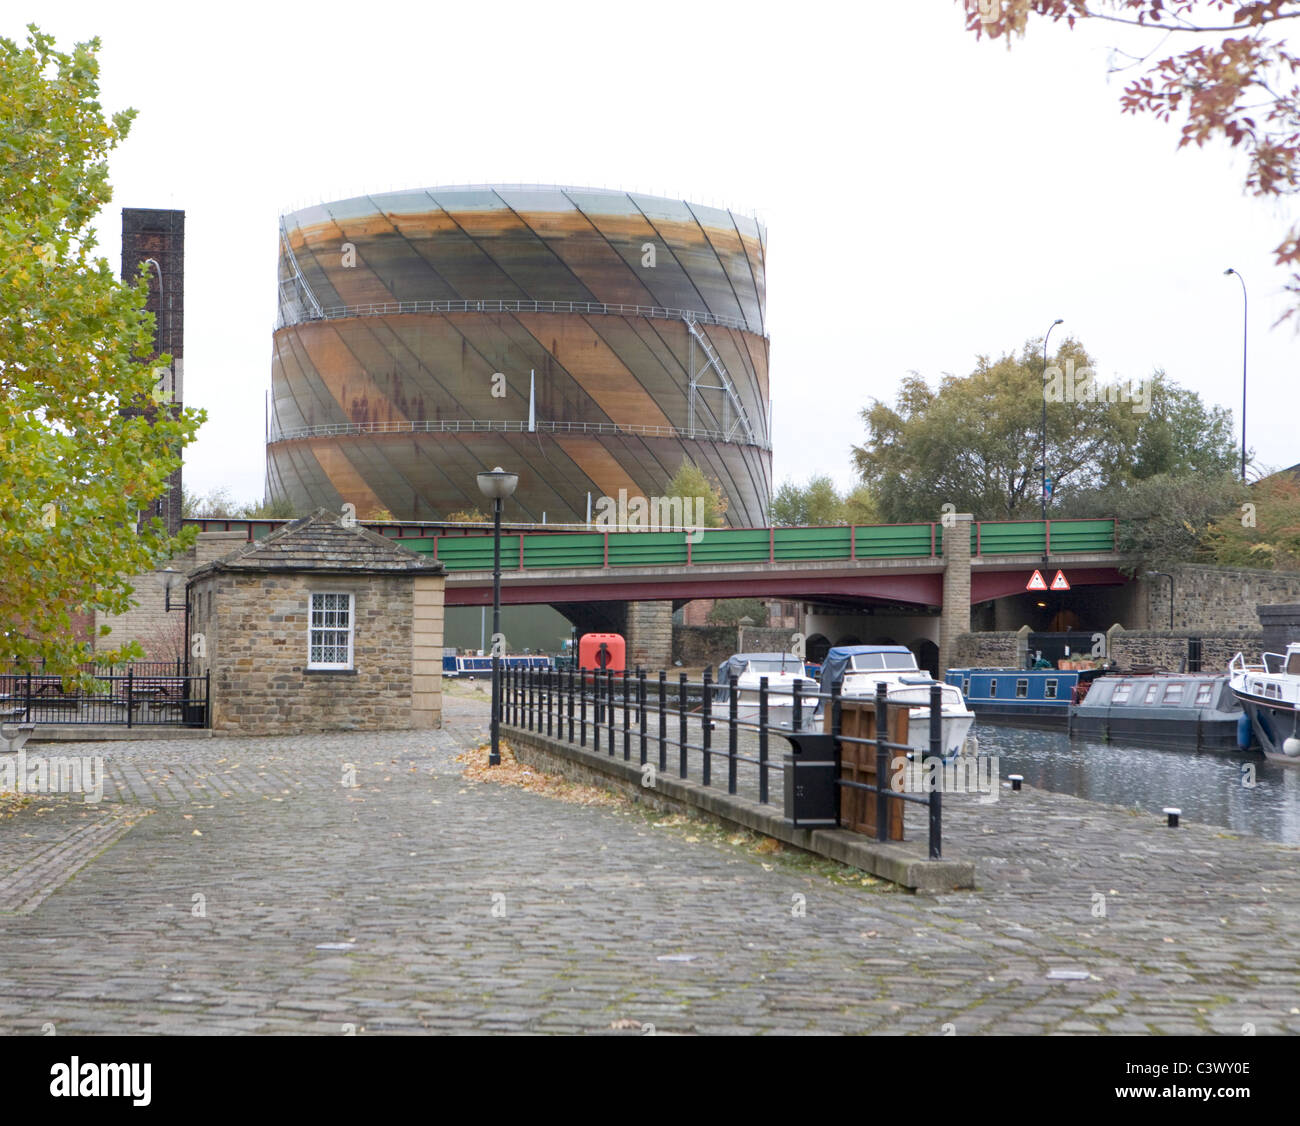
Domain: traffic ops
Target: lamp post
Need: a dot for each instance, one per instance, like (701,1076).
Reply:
(1245,308)
(1043,467)
(172,575)
(1165,575)
(497,485)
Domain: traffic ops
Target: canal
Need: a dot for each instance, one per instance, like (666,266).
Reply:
(1240,792)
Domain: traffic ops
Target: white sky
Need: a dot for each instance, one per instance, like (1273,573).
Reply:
(927,198)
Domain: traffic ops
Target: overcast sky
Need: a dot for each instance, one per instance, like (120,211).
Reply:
(928,199)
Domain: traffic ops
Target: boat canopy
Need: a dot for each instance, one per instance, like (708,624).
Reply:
(771,663)
(844,658)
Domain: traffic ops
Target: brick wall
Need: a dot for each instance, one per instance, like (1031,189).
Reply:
(254,629)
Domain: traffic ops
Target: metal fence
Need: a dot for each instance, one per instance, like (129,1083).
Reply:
(148,695)
(691,727)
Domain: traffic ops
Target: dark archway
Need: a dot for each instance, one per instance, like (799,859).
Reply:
(816,648)
(927,655)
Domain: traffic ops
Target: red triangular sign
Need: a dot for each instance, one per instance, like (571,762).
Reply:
(1036,583)
(1060,582)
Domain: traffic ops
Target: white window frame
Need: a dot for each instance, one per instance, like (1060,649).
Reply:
(331,666)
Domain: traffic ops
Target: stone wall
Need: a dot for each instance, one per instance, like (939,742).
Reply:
(1214,599)
(764,639)
(987,650)
(1281,625)
(696,646)
(1168,648)
(160,632)
(649,634)
(254,642)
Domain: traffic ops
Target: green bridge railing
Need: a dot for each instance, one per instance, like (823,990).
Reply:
(460,548)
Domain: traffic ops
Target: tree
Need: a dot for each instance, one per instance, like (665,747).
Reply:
(816,503)
(218,504)
(975,442)
(690,483)
(1164,519)
(87,438)
(1263,531)
(819,503)
(729,611)
(1240,87)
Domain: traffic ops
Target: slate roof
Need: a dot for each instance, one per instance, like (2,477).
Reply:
(319,543)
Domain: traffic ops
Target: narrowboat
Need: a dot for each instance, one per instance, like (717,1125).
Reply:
(1187,710)
(1022,697)
(1269,693)
(470,667)
(859,668)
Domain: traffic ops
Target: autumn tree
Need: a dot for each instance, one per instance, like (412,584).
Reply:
(1238,87)
(87,437)
(690,483)
(1262,530)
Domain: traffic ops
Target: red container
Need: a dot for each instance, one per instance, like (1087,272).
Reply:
(602,651)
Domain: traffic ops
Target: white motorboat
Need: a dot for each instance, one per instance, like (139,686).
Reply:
(860,668)
(1270,694)
(785,677)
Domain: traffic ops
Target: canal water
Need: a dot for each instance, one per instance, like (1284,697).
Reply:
(1210,787)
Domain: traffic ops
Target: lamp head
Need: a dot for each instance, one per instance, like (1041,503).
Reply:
(1228,271)
(1058,321)
(497,484)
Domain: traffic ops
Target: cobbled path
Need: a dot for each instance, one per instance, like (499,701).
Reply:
(263,893)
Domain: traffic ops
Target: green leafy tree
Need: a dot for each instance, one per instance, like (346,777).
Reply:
(85,439)
(1164,519)
(690,483)
(729,611)
(975,442)
(816,503)
(218,504)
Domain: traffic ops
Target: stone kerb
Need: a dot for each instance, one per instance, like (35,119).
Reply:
(904,864)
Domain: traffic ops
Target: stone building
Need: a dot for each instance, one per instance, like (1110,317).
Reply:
(320,626)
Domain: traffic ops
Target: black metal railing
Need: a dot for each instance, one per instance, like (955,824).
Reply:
(140,697)
(582,707)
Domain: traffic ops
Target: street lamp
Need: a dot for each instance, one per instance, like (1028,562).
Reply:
(172,575)
(1165,575)
(1044,431)
(1245,308)
(496,485)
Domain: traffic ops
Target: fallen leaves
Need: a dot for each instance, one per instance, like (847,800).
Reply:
(511,772)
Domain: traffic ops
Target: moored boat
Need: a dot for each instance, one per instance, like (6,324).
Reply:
(1191,710)
(1270,694)
(785,677)
(1022,697)
(860,668)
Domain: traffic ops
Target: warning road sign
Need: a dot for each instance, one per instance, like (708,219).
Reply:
(1060,582)
(1036,582)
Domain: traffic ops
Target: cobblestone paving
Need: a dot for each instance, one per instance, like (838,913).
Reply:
(263,894)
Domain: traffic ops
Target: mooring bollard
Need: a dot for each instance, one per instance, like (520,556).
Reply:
(1015,780)
(1172,814)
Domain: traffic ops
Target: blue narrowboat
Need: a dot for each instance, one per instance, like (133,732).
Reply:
(1031,697)
(471,667)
